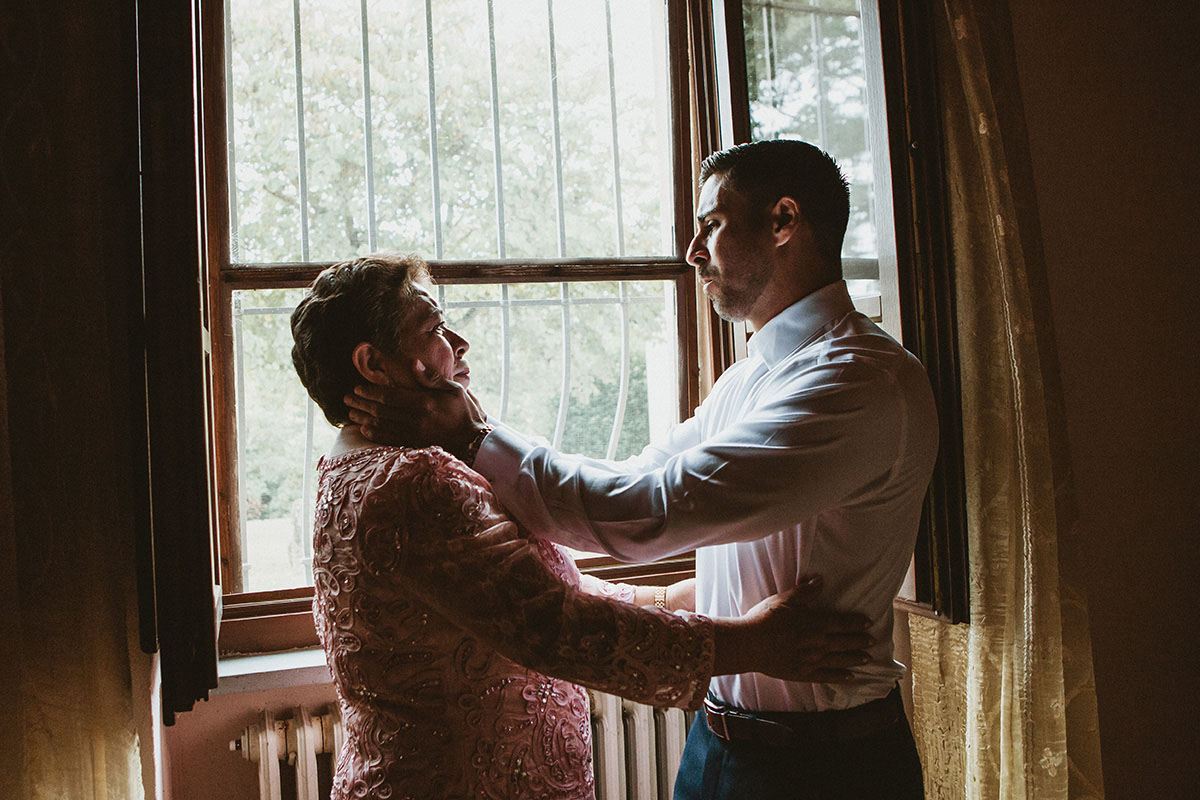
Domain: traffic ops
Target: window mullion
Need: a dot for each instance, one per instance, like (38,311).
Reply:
(506,346)
(616,148)
(623,386)
(297,43)
(501,251)
(239,361)
(560,423)
(819,57)
(435,178)
(231,158)
(368,128)
(768,18)
(554,112)
(300,275)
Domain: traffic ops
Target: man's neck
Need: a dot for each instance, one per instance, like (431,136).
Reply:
(772,302)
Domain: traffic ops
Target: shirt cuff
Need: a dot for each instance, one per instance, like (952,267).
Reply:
(500,457)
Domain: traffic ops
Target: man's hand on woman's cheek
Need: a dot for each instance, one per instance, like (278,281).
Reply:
(446,415)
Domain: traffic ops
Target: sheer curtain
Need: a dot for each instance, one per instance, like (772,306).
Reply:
(1004,707)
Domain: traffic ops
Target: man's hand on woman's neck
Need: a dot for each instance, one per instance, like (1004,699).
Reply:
(446,415)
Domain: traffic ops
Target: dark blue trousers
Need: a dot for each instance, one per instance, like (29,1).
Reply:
(881,766)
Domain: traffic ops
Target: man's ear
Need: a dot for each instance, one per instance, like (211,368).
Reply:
(785,219)
(369,360)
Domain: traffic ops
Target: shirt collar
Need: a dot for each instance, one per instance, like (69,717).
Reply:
(800,322)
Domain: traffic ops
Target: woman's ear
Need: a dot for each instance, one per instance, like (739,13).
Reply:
(370,362)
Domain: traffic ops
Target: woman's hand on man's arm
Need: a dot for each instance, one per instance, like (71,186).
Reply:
(787,637)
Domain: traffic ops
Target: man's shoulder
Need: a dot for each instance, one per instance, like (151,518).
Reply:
(853,365)
(859,343)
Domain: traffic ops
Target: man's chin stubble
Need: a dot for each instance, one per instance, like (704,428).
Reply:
(726,313)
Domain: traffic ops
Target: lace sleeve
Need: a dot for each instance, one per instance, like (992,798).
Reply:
(439,534)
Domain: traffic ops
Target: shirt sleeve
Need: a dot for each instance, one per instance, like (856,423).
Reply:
(484,575)
(625,592)
(833,433)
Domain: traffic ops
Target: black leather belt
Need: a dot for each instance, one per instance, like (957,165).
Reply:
(794,728)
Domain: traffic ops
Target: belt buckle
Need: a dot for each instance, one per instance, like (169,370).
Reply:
(723,714)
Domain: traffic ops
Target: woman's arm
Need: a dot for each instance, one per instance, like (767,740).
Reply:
(495,585)
(487,578)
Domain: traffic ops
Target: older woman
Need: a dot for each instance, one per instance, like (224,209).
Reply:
(458,646)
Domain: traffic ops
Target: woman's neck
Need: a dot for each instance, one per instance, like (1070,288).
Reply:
(349,438)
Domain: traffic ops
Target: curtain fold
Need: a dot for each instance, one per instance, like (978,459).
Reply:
(1004,707)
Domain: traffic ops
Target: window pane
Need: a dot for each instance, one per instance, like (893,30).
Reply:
(335,149)
(461,70)
(281,433)
(806,79)
(263,150)
(332,151)
(518,359)
(621,372)
(403,166)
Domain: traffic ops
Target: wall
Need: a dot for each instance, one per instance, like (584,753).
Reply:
(202,766)
(1111,104)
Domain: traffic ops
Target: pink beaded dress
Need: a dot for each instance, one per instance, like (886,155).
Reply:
(428,600)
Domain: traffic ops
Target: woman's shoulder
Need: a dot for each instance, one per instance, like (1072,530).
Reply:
(406,484)
(388,463)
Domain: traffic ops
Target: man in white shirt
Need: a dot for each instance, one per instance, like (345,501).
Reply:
(812,455)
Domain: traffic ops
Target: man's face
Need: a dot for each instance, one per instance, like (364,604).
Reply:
(427,339)
(731,250)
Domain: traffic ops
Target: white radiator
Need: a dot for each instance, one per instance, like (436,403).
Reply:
(637,748)
(295,752)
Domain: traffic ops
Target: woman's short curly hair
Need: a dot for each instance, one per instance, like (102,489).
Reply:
(364,300)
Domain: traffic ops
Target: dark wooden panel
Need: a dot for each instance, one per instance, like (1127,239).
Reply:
(925,260)
(177,413)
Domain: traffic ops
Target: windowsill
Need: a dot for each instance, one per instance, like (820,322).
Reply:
(236,674)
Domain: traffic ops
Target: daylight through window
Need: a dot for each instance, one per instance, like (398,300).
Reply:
(496,132)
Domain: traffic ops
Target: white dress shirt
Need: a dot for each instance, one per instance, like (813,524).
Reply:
(812,455)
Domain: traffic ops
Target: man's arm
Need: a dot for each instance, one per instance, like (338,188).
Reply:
(834,433)
(785,462)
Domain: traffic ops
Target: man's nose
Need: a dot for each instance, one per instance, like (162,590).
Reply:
(461,345)
(697,255)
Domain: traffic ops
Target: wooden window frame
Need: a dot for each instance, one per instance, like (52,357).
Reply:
(176,507)
(926,268)
(923,256)
(282,619)
(184,506)
(707,61)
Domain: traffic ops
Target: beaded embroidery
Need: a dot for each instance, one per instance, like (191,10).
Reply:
(419,619)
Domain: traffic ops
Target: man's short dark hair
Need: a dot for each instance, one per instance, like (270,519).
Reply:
(765,171)
(364,300)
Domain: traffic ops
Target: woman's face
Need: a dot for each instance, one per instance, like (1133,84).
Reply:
(429,341)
